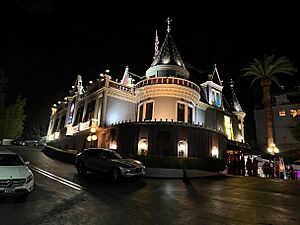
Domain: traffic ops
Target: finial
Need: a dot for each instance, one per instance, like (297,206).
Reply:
(231,83)
(168,20)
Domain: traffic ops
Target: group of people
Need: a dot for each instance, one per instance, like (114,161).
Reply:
(238,166)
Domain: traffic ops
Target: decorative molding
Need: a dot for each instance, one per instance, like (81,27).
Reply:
(115,93)
(169,90)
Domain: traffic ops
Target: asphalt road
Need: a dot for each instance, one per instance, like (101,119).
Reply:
(61,197)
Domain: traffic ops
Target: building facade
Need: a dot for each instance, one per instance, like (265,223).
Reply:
(165,113)
(286,116)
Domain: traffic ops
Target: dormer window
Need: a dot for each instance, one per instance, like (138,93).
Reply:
(216,98)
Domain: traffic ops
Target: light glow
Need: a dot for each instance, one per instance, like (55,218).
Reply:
(113,145)
(143,147)
(94,137)
(272,149)
(182,148)
(215,152)
(89,138)
(93,130)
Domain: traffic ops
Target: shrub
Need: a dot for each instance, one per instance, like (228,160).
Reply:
(173,162)
(59,154)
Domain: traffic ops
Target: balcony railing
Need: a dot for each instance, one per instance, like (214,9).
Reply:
(118,86)
(168,80)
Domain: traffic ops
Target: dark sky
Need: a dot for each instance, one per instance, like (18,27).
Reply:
(46,43)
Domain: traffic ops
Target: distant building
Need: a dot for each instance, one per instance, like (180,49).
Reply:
(165,113)
(286,115)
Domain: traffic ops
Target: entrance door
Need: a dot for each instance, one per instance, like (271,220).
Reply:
(163,146)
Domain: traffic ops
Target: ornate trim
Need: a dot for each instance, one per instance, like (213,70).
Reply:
(170,90)
(121,95)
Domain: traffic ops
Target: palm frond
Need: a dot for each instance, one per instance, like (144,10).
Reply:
(275,80)
(253,81)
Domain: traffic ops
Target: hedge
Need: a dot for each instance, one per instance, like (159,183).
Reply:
(173,162)
(63,155)
(170,162)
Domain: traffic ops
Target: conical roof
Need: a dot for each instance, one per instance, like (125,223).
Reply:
(168,62)
(234,102)
(168,54)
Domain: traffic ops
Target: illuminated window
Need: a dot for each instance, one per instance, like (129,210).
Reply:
(149,111)
(218,100)
(70,117)
(182,149)
(143,147)
(180,112)
(228,127)
(282,113)
(215,152)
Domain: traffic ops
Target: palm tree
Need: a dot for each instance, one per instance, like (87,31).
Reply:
(266,71)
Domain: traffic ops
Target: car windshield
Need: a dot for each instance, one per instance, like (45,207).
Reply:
(10,160)
(114,155)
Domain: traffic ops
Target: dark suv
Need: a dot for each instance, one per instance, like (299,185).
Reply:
(109,162)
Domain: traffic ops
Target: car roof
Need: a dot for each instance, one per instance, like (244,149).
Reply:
(7,152)
(104,149)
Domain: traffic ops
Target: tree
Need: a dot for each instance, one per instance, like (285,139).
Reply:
(12,117)
(12,120)
(266,71)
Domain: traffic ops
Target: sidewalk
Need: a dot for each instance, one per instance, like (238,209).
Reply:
(178,173)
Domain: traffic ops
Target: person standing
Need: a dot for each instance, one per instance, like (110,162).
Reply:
(249,166)
(255,167)
(242,165)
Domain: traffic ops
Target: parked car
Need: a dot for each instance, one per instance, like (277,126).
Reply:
(31,143)
(15,176)
(109,162)
(18,142)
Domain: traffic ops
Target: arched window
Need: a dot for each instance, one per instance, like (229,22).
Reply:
(143,147)
(182,149)
(215,152)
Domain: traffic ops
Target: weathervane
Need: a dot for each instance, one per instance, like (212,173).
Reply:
(168,20)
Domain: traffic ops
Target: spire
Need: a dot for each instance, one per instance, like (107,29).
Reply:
(156,47)
(234,101)
(125,76)
(168,62)
(168,20)
(168,54)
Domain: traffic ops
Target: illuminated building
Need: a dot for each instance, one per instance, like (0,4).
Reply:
(165,113)
(286,116)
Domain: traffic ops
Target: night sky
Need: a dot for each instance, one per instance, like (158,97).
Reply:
(45,43)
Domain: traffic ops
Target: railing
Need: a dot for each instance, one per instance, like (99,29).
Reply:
(168,80)
(118,86)
(166,121)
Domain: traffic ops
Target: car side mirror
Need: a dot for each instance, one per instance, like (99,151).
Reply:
(27,163)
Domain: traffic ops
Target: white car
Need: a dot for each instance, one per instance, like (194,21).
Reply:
(15,176)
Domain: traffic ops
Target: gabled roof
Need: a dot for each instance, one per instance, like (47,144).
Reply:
(168,54)
(215,76)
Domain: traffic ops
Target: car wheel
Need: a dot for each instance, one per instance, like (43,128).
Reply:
(81,169)
(115,174)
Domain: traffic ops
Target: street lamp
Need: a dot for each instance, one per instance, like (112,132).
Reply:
(92,137)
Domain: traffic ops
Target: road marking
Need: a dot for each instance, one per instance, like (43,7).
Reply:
(57,178)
